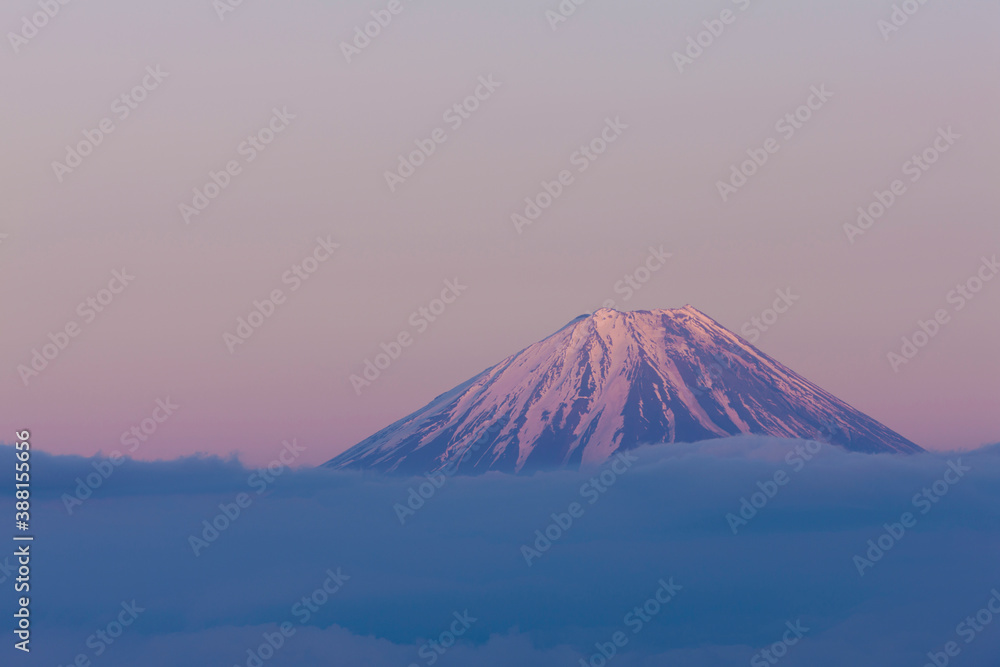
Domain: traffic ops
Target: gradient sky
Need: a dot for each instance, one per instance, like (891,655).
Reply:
(163,336)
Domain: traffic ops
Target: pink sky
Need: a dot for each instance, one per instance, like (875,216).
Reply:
(324,176)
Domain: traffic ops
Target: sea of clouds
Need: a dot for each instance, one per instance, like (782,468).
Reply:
(387,565)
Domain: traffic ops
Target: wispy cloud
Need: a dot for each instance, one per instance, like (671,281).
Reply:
(665,518)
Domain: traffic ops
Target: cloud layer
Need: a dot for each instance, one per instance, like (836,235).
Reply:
(378,589)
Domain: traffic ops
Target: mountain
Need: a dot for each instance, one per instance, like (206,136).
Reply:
(609,382)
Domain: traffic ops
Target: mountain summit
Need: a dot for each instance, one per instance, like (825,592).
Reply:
(610,382)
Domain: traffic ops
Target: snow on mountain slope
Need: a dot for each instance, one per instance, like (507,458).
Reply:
(612,381)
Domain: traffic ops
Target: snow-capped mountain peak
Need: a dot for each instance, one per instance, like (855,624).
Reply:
(612,381)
